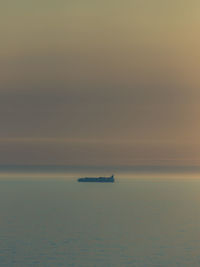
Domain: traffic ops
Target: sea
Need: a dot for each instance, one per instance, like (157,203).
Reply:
(149,217)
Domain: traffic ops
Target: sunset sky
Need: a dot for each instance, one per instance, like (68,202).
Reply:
(100,82)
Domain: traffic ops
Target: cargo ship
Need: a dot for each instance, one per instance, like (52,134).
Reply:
(110,179)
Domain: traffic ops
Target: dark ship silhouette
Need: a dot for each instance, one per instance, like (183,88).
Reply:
(110,179)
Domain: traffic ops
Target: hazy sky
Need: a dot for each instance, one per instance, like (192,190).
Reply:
(100,82)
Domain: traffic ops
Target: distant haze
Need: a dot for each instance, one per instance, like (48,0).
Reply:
(100,82)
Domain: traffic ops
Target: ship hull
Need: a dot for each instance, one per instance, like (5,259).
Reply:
(97,180)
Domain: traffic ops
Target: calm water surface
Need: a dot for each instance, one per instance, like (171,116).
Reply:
(146,222)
